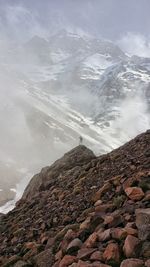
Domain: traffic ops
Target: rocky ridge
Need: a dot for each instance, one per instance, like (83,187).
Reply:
(84,211)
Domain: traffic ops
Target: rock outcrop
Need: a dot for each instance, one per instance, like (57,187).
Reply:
(84,211)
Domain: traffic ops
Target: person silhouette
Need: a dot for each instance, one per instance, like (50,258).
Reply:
(80,140)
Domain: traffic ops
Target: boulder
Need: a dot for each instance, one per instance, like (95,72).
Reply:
(134,193)
(44,259)
(112,253)
(132,263)
(67,260)
(130,246)
(74,246)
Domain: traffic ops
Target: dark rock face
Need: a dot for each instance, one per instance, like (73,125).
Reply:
(48,175)
(80,204)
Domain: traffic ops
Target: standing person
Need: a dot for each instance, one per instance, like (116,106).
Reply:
(80,140)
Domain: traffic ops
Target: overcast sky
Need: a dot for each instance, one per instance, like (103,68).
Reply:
(108,18)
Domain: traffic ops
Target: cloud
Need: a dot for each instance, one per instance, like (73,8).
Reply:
(135,44)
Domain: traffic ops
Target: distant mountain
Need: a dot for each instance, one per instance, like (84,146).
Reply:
(66,86)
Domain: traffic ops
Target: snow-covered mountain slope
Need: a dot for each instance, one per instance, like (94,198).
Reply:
(64,87)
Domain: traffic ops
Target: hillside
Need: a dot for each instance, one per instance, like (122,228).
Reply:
(83,211)
(62,87)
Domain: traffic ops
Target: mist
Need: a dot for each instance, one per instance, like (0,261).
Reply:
(58,60)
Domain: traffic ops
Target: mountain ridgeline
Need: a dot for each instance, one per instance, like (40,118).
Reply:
(60,88)
(83,211)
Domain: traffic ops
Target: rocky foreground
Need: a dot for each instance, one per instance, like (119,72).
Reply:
(84,211)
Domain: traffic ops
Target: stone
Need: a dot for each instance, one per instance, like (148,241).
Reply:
(131,231)
(134,193)
(142,217)
(58,255)
(97,203)
(22,264)
(85,224)
(11,261)
(130,246)
(147,263)
(67,260)
(112,253)
(44,259)
(97,256)
(143,223)
(91,241)
(85,253)
(101,191)
(132,263)
(83,264)
(145,250)
(119,233)
(104,236)
(74,246)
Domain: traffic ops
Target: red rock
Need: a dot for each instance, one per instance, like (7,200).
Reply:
(147,263)
(97,256)
(118,233)
(105,235)
(130,245)
(112,252)
(91,241)
(83,264)
(132,263)
(134,193)
(99,264)
(67,260)
(84,253)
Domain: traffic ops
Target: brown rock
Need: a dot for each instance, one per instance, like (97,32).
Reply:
(112,252)
(132,263)
(74,246)
(67,260)
(58,255)
(118,233)
(85,253)
(147,263)
(130,245)
(101,191)
(22,264)
(91,241)
(97,256)
(105,235)
(11,261)
(104,207)
(85,224)
(97,203)
(83,264)
(145,250)
(99,264)
(44,259)
(134,193)
(143,223)
(131,231)
(142,217)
